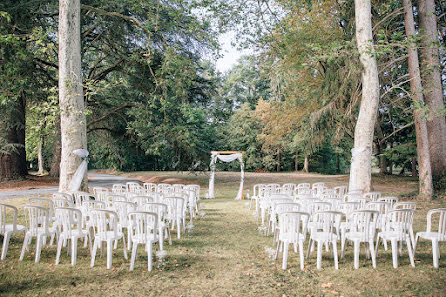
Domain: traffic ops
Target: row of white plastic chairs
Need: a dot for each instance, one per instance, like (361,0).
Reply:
(82,215)
(385,211)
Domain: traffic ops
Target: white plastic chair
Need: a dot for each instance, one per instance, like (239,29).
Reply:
(80,197)
(390,200)
(373,196)
(150,187)
(434,235)
(100,193)
(44,202)
(325,231)
(396,230)
(105,224)
(292,230)
(340,191)
(8,225)
(122,209)
(119,189)
(176,213)
(361,228)
(69,223)
(144,231)
(38,225)
(407,205)
(164,230)
(141,200)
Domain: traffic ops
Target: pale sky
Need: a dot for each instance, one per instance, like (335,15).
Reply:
(229,52)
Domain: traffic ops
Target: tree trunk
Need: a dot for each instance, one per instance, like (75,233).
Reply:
(40,155)
(13,164)
(306,163)
(278,161)
(433,92)
(424,165)
(361,165)
(55,162)
(414,166)
(71,100)
(296,162)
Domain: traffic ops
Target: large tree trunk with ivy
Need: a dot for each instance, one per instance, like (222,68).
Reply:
(433,92)
(13,159)
(71,101)
(424,165)
(361,166)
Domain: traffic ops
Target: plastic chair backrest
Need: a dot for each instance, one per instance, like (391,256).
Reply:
(363,222)
(405,205)
(390,200)
(37,219)
(315,207)
(348,207)
(8,216)
(340,191)
(144,225)
(67,219)
(80,197)
(43,202)
(122,209)
(293,226)
(93,204)
(327,222)
(105,223)
(100,193)
(286,207)
(373,196)
(381,206)
(399,220)
(150,187)
(119,189)
(159,208)
(62,202)
(175,206)
(441,222)
(141,200)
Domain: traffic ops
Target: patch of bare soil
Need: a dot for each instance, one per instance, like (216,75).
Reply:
(29,182)
(163,179)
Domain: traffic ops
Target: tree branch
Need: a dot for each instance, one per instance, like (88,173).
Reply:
(116,14)
(109,113)
(396,131)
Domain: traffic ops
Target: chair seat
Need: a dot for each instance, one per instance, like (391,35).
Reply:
(358,236)
(109,235)
(431,236)
(388,235)
(140,239)
(10,228)
(325,236)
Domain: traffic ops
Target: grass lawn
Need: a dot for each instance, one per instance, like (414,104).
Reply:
(225,255)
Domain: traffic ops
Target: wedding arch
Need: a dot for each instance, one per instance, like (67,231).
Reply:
(226,156)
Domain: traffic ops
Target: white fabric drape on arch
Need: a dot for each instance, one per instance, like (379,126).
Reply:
(226,159)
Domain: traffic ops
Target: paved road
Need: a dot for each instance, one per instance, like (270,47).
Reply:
(95,180)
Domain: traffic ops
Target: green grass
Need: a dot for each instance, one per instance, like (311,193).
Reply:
(225,255)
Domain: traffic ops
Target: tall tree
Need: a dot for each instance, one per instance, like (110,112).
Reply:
(424,166)
(71,100)
(361,166)
(433,92)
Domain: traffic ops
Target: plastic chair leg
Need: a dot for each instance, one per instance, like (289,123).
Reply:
(435,252)
(25,246)
(93,253)
(372,253)
(409,248)
(335,254)
(5,244)
(394,253)
(109,253)
(285,255)
(356,253)
(59,248)
(319,255)
(134,251)
(301,255)
(40,240)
